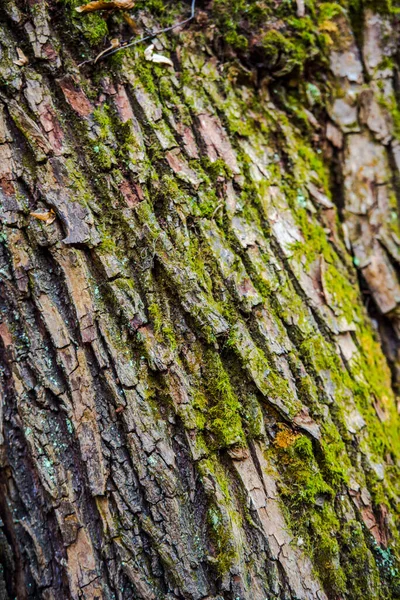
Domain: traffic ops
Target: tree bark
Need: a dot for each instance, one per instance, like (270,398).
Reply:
(200,307)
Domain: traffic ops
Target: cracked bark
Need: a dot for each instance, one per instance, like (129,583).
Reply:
(196,400)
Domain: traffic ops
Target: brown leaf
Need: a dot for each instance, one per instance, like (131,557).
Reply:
(48,217)
(22,59)
(102,5)
(131,22)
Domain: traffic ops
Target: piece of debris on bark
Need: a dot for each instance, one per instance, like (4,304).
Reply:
(101,5)
(113,44)
(48,217)
(131,22)
(156,58)
(22,59)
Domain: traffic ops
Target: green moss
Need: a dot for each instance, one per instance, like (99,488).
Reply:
(325,550)
(146,215)
(170,190)
(301,472)
(343,296)
(225,422)
(200,411)
(222,518)
(208,203)
(253,417)
(358,563)
(274,36)
(93,25)
(281,53)
(78,183)
(164,13)
(103,156)
(309,501)
(393,109)
(368,379)
(212,468)
(103,153)
(102,117)
(156,317)
(196,257)
(216,168)
(334,461)
(144,71)
(279,389)
(162,325)
(268,380)
(237,40)
(225,550)
(385,7)
(107,244)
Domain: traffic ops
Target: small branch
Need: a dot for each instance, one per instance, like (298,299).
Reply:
(220,205)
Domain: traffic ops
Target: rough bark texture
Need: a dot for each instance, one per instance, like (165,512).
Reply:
(200,309)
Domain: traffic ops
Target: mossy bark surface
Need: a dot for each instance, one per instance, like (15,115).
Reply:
(199,287)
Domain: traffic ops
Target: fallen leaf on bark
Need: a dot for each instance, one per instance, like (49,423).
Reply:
(22,59)
(156,58)
(101,5)
(48,217)
(131,22)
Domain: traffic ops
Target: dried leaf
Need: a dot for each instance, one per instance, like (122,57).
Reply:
(131,22)
(159,58)
(156,58)
(48,217)
(102,5)
(114,44)
(22,59)
(148,52)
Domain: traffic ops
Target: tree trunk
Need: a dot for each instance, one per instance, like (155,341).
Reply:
(200,303)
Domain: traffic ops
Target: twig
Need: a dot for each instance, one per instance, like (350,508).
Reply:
(220,205)
(150,36)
